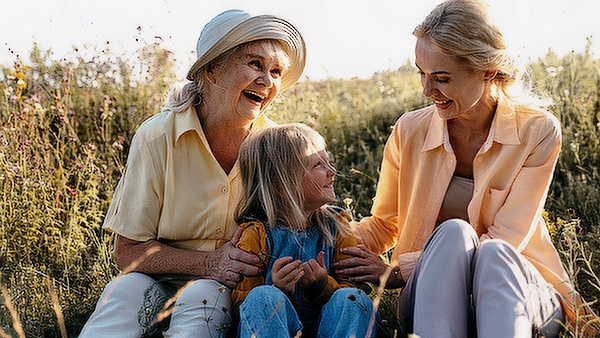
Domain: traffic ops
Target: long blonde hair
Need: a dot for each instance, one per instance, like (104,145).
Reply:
(273,163)
(465,29)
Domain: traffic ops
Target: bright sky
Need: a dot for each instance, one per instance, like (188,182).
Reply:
(345,38)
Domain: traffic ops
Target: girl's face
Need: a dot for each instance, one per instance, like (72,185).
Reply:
(455,89)
(318,182)
(250,80)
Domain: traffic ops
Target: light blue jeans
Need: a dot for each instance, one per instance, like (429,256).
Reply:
(267,312)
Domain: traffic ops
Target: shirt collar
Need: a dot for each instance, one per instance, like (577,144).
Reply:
(188,120)
(504,129)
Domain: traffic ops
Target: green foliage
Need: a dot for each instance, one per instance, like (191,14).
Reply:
(573,83)
(65,132)
(63,141)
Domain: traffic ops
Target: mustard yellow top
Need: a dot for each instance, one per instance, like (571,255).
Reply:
(173,189)
(254,240)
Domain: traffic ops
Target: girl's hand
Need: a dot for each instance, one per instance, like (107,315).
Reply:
(315,275)
(286,274)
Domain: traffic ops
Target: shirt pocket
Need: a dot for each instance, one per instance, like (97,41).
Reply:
(492,203)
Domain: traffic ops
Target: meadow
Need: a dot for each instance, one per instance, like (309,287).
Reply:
(65,131)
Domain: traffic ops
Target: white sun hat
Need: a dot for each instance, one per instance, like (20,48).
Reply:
(235,27)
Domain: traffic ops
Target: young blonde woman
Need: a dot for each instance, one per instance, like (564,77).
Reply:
(461,192)
(287,185)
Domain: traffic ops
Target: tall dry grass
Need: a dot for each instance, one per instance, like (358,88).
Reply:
(65,132)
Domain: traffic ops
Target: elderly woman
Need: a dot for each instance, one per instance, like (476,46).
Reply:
(462,188)
(172,212)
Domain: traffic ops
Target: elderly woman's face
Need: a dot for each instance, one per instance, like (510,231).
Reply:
(454,88)
(250,79)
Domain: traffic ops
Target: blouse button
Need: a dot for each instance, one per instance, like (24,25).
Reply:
(224,190)
(479,159)
(219,231)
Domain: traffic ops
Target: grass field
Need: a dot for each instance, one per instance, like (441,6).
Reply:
(65,132)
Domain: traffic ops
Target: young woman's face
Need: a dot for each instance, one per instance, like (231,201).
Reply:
(318,182)
(454,88)
(250,80)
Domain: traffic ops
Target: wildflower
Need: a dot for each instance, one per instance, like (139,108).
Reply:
(23,145)
(71,191)
(91,146)
(117,146)
(348,201)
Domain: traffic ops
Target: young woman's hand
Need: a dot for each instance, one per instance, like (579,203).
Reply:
(315,275)
(286,274)
(364,266)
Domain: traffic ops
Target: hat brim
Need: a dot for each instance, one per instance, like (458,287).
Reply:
(256,28)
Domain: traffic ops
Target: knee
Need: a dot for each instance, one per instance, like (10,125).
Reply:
(131,285)
(351,297)
(453,237)
(205,291)
(265,300)
(265,294)
(493,250)
(345,294)
(495,256)
(457,229)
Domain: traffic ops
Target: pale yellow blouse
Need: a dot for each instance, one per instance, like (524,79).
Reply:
(173,189)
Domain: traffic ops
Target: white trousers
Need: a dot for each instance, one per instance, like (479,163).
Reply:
(463,288)
(129,303)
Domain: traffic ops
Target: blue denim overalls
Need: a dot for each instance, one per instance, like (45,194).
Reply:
(346,314)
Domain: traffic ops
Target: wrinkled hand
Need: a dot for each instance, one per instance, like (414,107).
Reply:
(228,264)
(365,266)
(315,275)
(286,274)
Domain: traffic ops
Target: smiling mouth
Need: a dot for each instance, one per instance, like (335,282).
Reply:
(253,96)
(442,102)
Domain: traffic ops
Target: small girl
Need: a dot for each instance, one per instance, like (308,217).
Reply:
(287,182)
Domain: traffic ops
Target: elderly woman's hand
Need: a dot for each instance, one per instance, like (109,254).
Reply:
(365,266)
(228,264)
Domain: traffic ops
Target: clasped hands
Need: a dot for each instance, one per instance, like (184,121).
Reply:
(311,276)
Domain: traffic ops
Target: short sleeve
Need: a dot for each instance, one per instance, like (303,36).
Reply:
(135,209)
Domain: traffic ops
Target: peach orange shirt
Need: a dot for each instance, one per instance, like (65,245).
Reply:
(173,189)
(512,174)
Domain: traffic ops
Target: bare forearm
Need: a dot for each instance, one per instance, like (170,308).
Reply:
(153,257)
(226,265)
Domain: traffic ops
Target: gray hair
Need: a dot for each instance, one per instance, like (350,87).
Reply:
(180,99)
